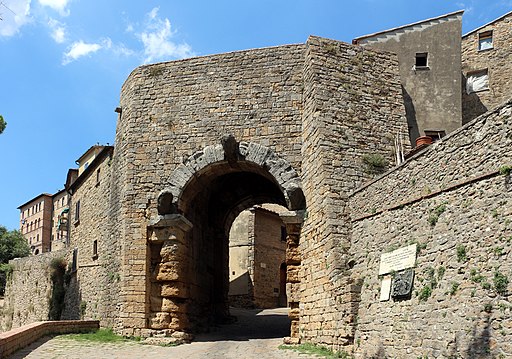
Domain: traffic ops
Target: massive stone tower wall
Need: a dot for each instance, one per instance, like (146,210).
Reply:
(322,107)
(171,111)
(352,109)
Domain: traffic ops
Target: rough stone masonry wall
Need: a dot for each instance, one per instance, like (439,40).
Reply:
(172,110)
(352,108)
(496,60)
(269,253)
(452,201)
(28,292)
(93,290)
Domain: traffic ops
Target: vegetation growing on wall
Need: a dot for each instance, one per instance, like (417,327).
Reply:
(436,213)
(375,163)
(56,301)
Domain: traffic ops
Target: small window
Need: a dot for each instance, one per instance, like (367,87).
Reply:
(37,238)
(77,211)
(485,41)
(477,81)
(435,135)
(421,59)
(98,177)
(95,249)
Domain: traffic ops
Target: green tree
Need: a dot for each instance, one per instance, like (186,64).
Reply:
(3,124)
(12,245)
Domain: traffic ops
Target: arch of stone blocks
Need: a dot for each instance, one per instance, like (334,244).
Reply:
(189,239)
(240,156)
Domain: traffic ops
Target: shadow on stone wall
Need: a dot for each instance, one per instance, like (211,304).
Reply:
(472,106)
(480,344)
(242,300)
(73,299)
(410,114)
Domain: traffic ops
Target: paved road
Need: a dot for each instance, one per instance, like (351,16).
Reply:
(256,334)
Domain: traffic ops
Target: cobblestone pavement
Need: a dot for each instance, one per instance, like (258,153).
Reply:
(256,334)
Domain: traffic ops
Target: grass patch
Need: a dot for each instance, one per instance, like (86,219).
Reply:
(99,336)
(308,348)
(375,163)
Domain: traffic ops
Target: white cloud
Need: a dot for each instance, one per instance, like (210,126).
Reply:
(57,5)
(157,40)
(14,14)
(121,49)
(80,49)
(58,31)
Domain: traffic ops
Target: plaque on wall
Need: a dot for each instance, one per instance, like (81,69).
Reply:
(398,260)
(385,288)
(402,284)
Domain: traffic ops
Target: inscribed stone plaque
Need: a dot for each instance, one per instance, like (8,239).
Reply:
(398,260)
(385,288)
(402,284)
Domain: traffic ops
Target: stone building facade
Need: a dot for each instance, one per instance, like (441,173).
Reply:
(93,258)
(485,63)
(257,255)
(311,127)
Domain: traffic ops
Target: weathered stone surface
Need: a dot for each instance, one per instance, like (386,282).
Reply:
(462,230)
(159,320)
(173,305)
(169,271)
(174,251)
(174,289)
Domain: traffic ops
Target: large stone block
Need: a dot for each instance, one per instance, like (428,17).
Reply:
(293,292)
(293,274)
(293,255)
(159,320)
(174,290)
(169,271)
(174,305)
(174,251)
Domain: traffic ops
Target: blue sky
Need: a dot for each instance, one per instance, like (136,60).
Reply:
(62,63)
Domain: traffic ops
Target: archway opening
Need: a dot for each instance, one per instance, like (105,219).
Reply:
(257,252)
(211,201)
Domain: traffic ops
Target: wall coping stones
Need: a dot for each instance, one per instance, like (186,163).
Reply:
(21,337)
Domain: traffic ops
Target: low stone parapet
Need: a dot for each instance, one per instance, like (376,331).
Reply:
(21,337)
